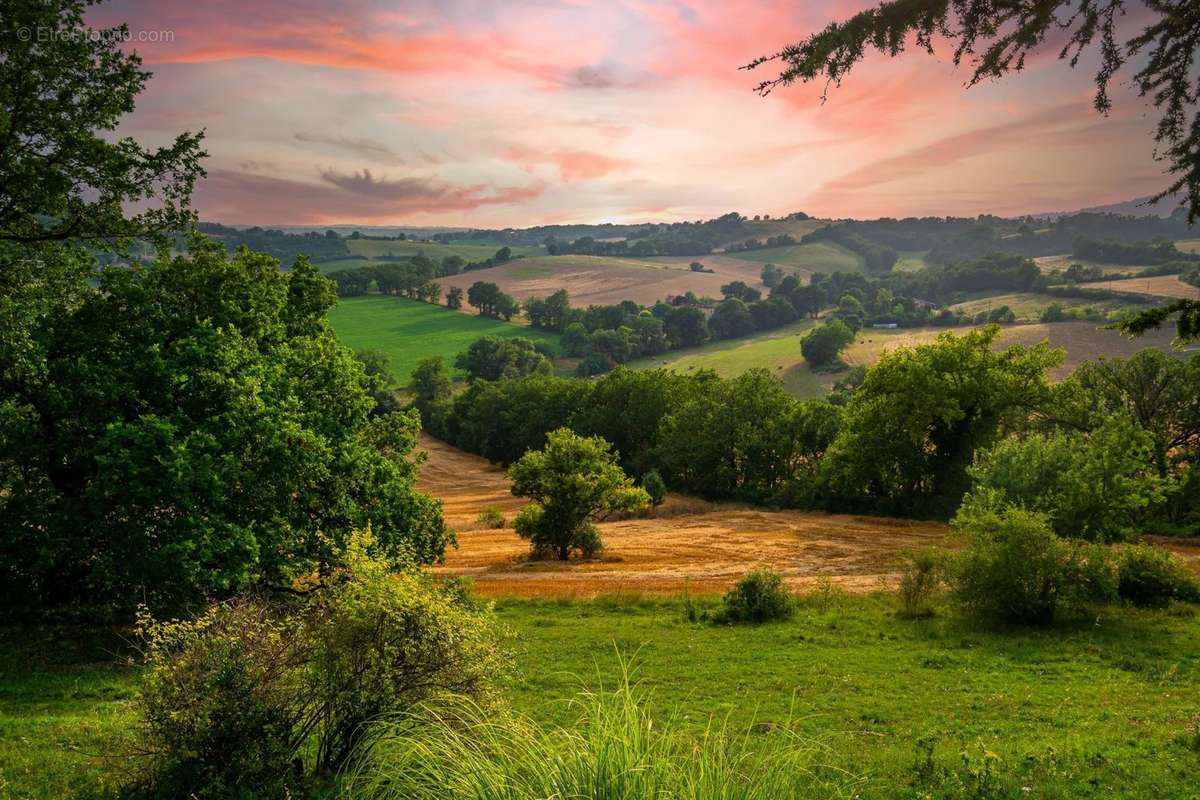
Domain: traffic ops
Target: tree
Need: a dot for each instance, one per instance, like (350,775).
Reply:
(573,482)
(454,298)
(686,326)
(191,429)
(912,428)
(999,35)
(741,291)
(1095,486)
(731,319)
(432,389)
(378,368)
(1159,393)
(771,275)
(493,358)
(63,176)
(490,301)
(823,344)
(575,340)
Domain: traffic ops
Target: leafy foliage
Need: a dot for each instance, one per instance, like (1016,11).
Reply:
(492,358)
(760,596)
(1016,570)
(1095,486)
(911,429)
(232,701)
(822,345)
(1150,576)
(191,429)
(573,481)
(63,89)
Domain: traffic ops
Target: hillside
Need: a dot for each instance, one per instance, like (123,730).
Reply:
(409,331)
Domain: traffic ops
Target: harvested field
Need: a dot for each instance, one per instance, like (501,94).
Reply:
(1082,340)
(603,279)
(1158,286)
(688,544)
(691,544)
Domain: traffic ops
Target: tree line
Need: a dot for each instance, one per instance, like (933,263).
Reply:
(923,428)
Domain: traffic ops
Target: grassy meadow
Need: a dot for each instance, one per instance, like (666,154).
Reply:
(777,351)
(409,331)
(1104,707)
(813,257)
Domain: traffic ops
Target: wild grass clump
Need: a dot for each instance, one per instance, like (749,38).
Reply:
(760,596)
(616,751)
(923,575)
(491,517)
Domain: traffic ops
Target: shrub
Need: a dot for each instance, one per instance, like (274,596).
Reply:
(1016,570)
(653,483)
(1150,576)
(235,700)
(491,517)
(760,596)
(922,575)
(1096,486)
(220,704)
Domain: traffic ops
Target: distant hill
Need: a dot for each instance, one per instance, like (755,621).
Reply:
(1138,207)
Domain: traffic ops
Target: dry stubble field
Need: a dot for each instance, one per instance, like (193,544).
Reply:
(688,544)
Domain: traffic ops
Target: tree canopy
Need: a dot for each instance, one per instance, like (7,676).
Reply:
(192,428)
(63,176)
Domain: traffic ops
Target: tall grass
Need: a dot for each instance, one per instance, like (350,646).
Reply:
(615,752)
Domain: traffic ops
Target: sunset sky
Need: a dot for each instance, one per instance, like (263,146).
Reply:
(491,114)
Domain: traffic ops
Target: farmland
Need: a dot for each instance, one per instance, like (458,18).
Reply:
(1157,286)
(469,249)
(777,351)
(808,258)
(1029,306)
(409,331)
(605,279)
(1081,340)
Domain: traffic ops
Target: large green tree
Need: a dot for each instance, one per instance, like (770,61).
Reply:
(912,428)
(998,37)
(190,429)
(63,174)
(574,481)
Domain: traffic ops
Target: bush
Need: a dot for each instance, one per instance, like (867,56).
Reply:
(220,705)
(653,483)
(1016,570)
(235,702)
(1150,576)
(760,596)
(491,517)
(922,575)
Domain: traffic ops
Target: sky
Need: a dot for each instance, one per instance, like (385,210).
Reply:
(512,113)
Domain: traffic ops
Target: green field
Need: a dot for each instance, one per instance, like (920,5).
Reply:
(911,261)
(471,250)
(409,331)
(1103,708)
(815,257)
(777,351)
